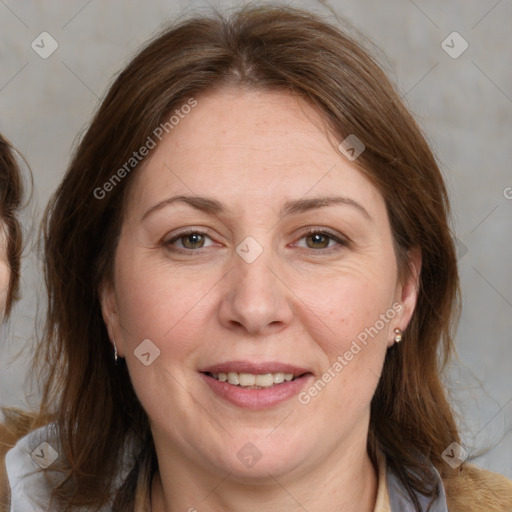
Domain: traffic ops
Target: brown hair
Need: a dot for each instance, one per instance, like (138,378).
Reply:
(11,192)
(91,400)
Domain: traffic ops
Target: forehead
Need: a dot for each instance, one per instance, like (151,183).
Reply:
(247,145)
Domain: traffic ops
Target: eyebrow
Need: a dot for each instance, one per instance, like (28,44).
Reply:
(213,206)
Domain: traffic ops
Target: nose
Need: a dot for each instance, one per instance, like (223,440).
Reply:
(256,299)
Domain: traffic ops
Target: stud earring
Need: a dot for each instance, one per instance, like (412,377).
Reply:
(398,335)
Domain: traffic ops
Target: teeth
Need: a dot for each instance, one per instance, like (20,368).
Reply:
(249,380)
(246,379)
(265,381)
(279,377)
(233,378)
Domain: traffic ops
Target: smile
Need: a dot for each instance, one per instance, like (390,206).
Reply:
(252,381)
(255,386)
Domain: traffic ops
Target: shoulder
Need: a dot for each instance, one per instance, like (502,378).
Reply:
(466,489)
(20,466)
(477,490)
(31,464)
(15,426)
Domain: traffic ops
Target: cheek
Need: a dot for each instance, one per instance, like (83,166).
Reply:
(350,315)
(5,275)
(341,305)
(166,305)
(171,309)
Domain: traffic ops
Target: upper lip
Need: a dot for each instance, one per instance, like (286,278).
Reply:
(255,368)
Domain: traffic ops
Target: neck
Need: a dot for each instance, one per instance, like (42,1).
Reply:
(346,482)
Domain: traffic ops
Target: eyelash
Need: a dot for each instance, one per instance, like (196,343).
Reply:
(310,232)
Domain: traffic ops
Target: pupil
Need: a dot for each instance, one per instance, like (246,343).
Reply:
(319,240)
(193,240)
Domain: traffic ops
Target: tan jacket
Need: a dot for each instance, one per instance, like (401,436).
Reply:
(472,490)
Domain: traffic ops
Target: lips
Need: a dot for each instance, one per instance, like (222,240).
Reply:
(255,385)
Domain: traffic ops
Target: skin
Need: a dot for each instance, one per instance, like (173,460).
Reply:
(5,272)
(302,301)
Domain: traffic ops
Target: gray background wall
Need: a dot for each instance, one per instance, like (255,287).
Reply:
(464,105)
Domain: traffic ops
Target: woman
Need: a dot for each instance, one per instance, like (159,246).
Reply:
(250,278)
(11,191)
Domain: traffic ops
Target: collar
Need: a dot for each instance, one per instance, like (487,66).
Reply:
(393,497)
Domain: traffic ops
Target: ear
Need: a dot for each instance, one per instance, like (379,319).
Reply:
(107,295)
(407,290)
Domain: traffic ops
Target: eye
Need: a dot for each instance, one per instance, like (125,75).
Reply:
(189,240)
(321,239)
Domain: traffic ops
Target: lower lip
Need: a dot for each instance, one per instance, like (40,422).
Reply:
(257,398)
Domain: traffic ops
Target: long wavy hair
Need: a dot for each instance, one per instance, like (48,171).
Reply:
(91,400)
(11,194)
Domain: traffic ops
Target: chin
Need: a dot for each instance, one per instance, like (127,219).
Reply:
(258,458)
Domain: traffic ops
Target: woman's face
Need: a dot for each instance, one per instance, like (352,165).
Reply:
(216,273)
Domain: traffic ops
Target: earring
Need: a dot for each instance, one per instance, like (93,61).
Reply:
(398,335)
(115,352)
